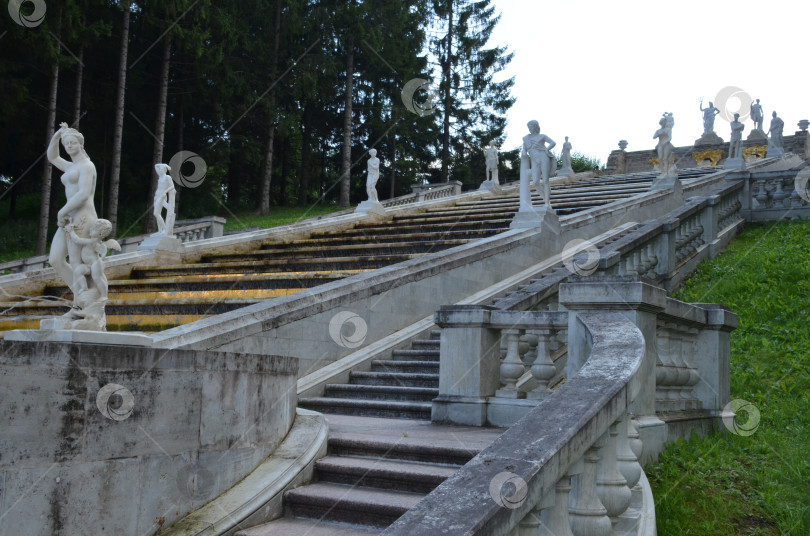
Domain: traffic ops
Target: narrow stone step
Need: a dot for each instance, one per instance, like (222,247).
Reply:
(399,449)
(435,335)
(425,344)
(381,392)
(421,354)
(368,408)
(395,378)
(423,367)
(383,474)
(290,526)
(351,504)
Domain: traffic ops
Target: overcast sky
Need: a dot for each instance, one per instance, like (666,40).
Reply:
(599,71)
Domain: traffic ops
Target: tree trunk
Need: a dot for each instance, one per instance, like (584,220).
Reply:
(447,65)
(267,177)
(45,206)
(306,153)
(392,158)
(118,129)
(160,130)
(77,101)
(345,171)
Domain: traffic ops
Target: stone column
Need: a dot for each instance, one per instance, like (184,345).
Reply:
(712,357)
(469,365)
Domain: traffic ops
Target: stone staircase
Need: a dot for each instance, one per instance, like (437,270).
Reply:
(402,387)
(376,469)
(154,298)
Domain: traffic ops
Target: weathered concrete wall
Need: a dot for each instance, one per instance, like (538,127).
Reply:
(123,440)
(636,161)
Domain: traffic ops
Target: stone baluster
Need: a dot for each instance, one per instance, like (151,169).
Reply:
(554,519)
(761,195)
(665,372)
(611,486)
(587,514)
(634,439)
(690,347)
(626,458)
(778,195)
(543,367)
(529,525)
(512,367)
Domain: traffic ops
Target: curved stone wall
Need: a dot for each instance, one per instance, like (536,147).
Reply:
(98,439)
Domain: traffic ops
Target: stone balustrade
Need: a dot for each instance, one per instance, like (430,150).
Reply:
(570,463)
(667,249)
(567,468)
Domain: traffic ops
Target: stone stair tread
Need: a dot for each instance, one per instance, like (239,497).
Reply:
(330,495)
(328,402)
(398,389)
(294,526)
(363,465)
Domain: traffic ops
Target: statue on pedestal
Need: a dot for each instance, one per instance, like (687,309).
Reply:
(536,161)
(491,156)
(164,198)
(373,176)
(708,117)
(757,115)
(776,132)
(565,157)
(666,160)
(735,145)
(79,236)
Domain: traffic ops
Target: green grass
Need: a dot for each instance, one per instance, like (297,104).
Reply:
(278,216)
(726,484)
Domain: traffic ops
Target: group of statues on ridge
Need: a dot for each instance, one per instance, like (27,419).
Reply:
(82,238)
(773,136)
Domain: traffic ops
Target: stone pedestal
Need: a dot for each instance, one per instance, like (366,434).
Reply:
(774,150)
(370,207)
(162,242)
(667,182)
(757,135)
(709,138)
(536,217)
(734,163)
(490,186)
(53,334)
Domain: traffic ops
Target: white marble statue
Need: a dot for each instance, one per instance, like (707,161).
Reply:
(79,236)
(536,161)
(565,157)
(776,132)
(491,156)
(735,145)
(164,198)
(666,160)
(709,114)
(756,115)
(373,176)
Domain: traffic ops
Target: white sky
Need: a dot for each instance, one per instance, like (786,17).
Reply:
(599,71)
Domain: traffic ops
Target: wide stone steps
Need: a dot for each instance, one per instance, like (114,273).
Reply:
(383,474)
(402,387)
(163,296)
(318,250)
(367,481)
(341,502)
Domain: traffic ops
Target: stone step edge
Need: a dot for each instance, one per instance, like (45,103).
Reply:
(258,496)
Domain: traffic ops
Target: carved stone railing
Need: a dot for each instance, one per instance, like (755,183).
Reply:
(570,459)
(185,231)
(567,465)
(667,249)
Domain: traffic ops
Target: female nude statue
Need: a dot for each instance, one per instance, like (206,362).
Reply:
(79,178)
(538,154)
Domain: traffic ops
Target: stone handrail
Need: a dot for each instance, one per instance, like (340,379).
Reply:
(576,440)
